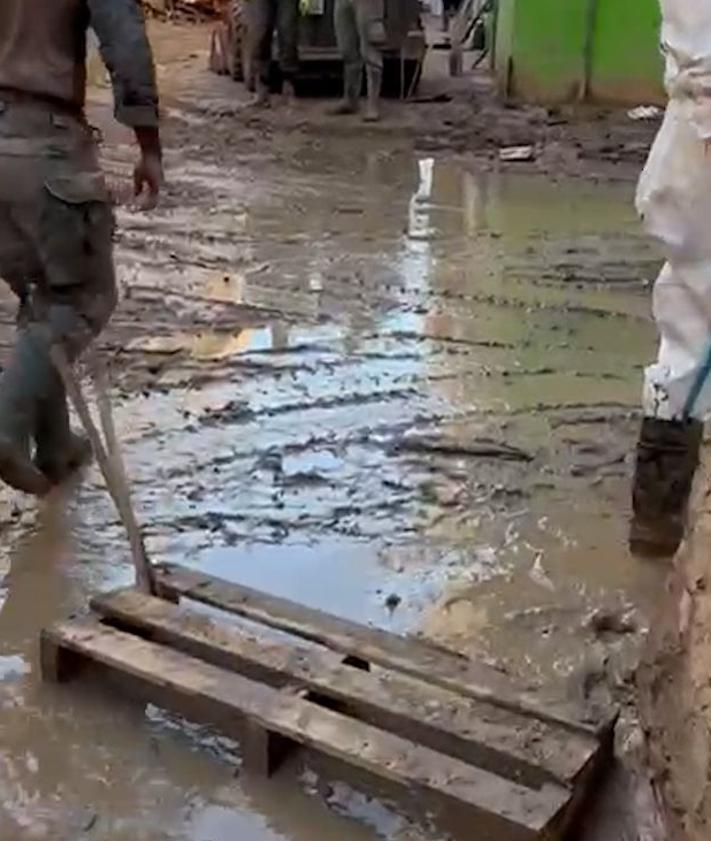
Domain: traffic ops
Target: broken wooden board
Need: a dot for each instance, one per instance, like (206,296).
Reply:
(402,710)
(403,654)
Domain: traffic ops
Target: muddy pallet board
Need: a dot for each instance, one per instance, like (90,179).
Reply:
(399,709)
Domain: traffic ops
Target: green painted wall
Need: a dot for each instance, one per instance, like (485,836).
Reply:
(626,61)
(548,49)
(562,50)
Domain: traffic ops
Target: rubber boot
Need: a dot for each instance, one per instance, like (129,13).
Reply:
(351,92)
(667,458)
(374,78)
(261,96)
(24,383)
(60,452)
(289,92)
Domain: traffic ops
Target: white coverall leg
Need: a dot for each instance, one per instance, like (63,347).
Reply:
(674,199)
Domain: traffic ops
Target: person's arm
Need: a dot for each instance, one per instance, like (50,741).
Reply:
(126,51)
(686,41)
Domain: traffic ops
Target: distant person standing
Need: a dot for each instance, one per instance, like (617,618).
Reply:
(449,10)
(360,32)
(263,17)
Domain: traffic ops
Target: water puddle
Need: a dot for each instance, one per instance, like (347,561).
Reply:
(395,389)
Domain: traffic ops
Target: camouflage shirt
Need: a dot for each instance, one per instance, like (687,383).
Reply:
(43,53)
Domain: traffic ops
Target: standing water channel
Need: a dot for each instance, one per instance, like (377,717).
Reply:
(390,387)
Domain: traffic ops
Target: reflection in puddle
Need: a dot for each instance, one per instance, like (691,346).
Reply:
(419,227)
(216,346)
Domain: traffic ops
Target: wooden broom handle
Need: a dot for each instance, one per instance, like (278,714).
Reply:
(110,463)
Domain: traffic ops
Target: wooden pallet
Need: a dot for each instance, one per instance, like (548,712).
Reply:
(422,718)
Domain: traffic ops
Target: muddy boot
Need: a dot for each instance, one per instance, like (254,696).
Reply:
(667,458)
(22,387)
(60,452)
(62,464)
(351,93)
(289,93)
(261,96)
(374,78)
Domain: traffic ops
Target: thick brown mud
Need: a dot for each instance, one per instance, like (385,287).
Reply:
(399,386)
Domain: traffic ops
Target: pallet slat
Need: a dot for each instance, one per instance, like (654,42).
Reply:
(374,645)
(506,811)
(500,741)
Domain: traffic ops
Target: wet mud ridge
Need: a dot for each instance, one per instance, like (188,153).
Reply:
(397,709)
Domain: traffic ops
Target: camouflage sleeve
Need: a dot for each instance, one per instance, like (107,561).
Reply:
(121,30)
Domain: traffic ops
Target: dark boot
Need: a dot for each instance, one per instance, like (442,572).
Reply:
(289,93)
(667,458)
(351,92)
(23,385)
(60,452)
(374,78)
(261,96)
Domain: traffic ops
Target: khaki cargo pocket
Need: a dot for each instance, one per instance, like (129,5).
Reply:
(76,229)
(78,187)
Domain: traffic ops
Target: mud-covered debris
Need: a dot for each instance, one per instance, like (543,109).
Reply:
(591,674)
(645,112)
(478,448)
(233,412)
(582,469)
(272,460)
(303,478)
(538,574)
(517,154)
(392,602)
(90,822)
(610,621)
(449,495)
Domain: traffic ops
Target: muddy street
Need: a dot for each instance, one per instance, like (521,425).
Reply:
(388,382)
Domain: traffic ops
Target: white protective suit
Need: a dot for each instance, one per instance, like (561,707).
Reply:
(674,199)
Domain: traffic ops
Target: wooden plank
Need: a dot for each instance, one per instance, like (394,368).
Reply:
(458,674)
(504,810)
(514,746)
(57,664)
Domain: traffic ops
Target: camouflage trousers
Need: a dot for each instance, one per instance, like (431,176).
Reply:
(263,17)
(359,27)
(56,223)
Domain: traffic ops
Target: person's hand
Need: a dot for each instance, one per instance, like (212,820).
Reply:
(148,180)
